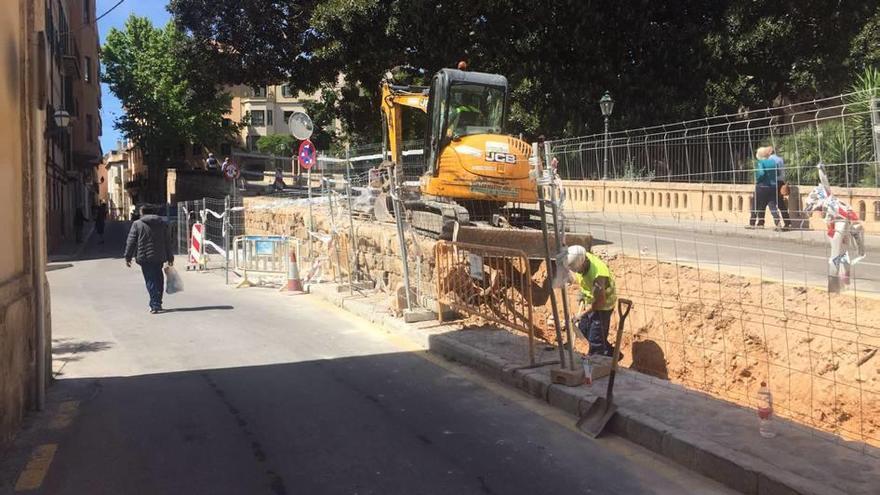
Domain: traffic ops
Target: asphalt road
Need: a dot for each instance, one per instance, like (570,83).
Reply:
(250,391)
(783,257)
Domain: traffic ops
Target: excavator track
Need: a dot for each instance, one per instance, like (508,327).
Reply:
(437,220)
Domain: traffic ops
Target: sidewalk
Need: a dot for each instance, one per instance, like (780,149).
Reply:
(709,436)
(70,249)
(580,222)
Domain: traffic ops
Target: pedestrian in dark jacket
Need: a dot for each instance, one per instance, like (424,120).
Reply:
(149,243)
(100,218)
(79,221)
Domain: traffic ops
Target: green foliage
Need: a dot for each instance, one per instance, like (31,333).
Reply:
(277,144)
(865,47)
(169,99)
(834,142)
(662,61)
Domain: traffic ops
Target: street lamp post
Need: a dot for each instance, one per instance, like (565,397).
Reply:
(606,104)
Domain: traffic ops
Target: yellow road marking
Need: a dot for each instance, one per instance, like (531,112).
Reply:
(66,413)
(35,472)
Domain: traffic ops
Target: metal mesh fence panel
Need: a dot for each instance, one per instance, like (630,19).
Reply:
(722,301)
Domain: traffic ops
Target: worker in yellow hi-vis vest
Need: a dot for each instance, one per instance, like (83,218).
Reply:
(597,297)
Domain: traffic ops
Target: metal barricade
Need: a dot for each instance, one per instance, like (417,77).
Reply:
(491,283)
(264,255)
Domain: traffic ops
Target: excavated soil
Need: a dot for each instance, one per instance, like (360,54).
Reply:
(724,334)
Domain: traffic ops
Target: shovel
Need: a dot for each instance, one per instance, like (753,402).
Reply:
(594,419)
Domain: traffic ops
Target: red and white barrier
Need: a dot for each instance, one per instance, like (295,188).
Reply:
(197,248)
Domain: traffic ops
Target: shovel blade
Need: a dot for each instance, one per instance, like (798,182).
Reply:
(595,418)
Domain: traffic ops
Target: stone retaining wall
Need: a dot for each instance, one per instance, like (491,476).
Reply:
(378,249)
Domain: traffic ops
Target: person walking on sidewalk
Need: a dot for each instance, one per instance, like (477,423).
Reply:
(211,164)
(766,192)
(149,243)
(597,297)
(100,219)
(79,221)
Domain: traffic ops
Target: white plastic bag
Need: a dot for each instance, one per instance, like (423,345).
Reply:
(173,282)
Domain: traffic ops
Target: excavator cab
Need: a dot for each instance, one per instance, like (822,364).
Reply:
(463,104)
(475,174)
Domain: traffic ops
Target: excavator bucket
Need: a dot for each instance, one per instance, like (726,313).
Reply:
(531,242)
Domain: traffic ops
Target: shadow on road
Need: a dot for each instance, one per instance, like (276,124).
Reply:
(270,428)
(58,266)
(197,308)
(70,346)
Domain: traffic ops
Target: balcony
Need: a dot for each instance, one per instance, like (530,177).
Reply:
(70,56)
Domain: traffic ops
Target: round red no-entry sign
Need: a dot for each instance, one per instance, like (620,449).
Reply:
(307,155)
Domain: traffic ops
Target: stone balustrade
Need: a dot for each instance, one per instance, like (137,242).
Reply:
(724,203)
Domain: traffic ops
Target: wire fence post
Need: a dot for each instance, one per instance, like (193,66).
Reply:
(226,229)
(354,268)
(398,220)
(875,137)
(181,207)
(546,238)
(311,218)
(566,313)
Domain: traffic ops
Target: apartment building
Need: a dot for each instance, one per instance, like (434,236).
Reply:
(73,88)
(267,109)
(25,336)
(119,168)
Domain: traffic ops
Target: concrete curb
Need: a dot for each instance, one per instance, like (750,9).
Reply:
(732,468)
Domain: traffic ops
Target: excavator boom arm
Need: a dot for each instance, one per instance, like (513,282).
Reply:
(394,98)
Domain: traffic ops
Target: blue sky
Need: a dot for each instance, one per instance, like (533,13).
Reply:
(153,9)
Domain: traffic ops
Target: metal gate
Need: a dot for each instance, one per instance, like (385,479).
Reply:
(491,283)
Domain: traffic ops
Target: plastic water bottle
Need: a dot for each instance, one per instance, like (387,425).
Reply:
(765,412)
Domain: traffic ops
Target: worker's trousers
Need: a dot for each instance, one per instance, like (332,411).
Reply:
(594,325)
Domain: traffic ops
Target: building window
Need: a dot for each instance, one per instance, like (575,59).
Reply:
(88,69)
(227,122)
(90,135)
(286,92)
(287,117)
(269,117)
(259,91)
(87,11)
(258,118)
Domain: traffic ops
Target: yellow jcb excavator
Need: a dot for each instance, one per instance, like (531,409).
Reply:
(476,177)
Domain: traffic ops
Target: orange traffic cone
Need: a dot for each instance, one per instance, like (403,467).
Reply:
(294,283)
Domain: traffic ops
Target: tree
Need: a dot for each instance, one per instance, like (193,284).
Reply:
(169,99)
(865,47)
(662,61)
(276,144)
(770,52)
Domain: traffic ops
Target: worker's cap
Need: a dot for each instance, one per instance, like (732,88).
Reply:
(575,258)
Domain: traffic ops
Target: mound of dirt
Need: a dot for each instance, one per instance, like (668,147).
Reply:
(723,334)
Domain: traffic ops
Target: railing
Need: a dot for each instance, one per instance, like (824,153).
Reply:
(268,255)
(839,131)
